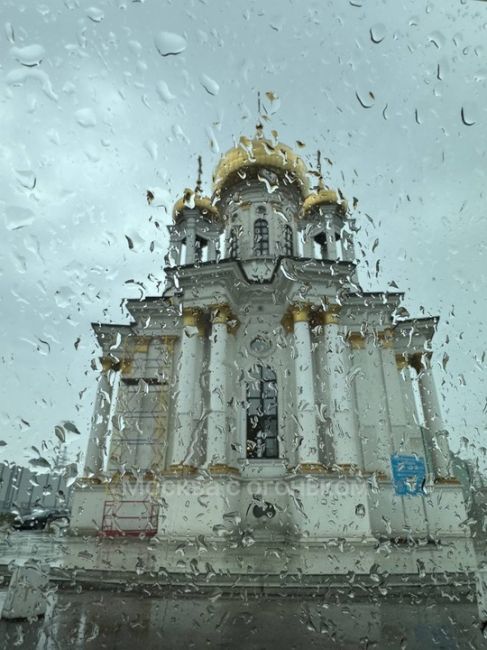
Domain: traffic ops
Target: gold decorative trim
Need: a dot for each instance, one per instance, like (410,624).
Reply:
(401,361)
(301,313)
(221,314)
(416,361)
(222,468)
(126,366)
(193,317)
(386,338)
(106,363)
(151,475)
(287,322)
(347,468)
(91,480)
(168,341)
(109,363)
(141,344)
(310,468)
(117,477)
(181,470)
(357,340)
(332,314)
(446,480)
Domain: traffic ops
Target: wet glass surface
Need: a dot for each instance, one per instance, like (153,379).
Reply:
(242,283)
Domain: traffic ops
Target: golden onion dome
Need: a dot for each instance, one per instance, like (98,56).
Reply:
(323,196)
(257,154)
(192,200)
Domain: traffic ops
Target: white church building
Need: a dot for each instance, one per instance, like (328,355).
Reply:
(265,416)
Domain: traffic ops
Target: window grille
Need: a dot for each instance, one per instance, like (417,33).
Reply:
(262,416)
(261,237)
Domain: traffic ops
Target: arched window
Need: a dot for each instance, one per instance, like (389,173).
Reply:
(233,244)
(288,240)
(261,237)
(262,422)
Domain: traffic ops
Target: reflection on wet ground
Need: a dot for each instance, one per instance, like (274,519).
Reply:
(101,619)
(78,617)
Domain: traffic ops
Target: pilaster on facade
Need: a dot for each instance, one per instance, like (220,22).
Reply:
(308,451)
(342,411)
(218,452)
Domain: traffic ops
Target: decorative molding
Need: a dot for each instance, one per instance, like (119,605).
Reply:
(347,468)
(221,314)
(357,340)
(401,361)
(194,317)
(126,366)
(181,470)
(287,322)
(415,360)
(168,341)
(191,316)
(446,480)
(332,314)
(386,338)
(301,313)
(110,363)
(310,468)
(140,344)
(222,469)
(91,480)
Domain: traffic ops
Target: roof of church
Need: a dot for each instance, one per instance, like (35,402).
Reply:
(260,153)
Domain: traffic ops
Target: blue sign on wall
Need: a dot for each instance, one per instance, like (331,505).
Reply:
(408,474)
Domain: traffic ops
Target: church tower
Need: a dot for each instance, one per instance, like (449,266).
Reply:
(265,404)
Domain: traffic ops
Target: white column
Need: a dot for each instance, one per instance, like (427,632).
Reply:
(100,422)
(307,243)
(217,449)
(348,252)
(308,454)
(190,230)
(346,442)
(437,436)
(394,392)
(181,442)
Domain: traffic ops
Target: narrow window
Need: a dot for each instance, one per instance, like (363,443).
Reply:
(262,422)
(320,246)
(288,240)
(201,250)
(233,245)
(261,237)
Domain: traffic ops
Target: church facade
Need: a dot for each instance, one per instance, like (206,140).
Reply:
(265,411)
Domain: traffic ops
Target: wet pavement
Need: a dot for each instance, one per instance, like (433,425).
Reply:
(80,617)
(101,619)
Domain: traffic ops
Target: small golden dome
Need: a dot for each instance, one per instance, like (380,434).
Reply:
(193,200)
(260,153)
(323,196)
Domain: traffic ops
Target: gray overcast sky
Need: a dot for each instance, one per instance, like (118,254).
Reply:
(380,87)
